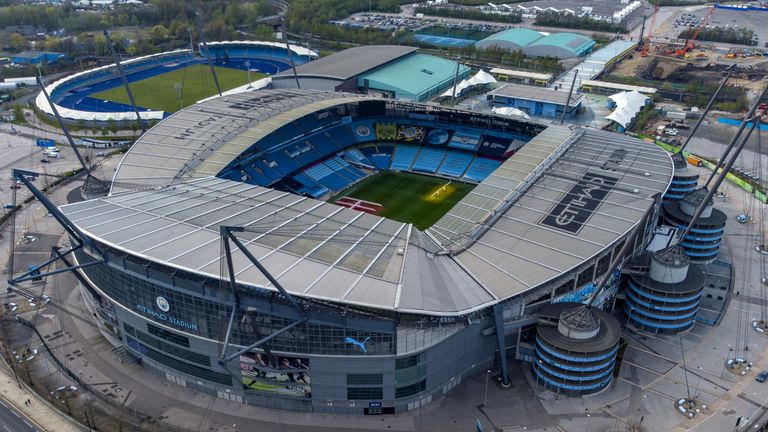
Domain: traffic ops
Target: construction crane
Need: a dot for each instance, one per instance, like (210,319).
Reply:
(646,42)
(689,42)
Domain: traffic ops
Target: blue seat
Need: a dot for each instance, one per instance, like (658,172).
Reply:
(481,168)
(403,157)
(455,163)
(429,160)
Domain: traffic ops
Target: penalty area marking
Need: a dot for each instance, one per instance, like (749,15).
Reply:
(360,205)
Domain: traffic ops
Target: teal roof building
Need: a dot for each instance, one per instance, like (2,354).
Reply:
(417,77)
(560,45)
(536,44)
(515,39)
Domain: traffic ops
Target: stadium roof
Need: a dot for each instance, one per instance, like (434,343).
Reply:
(539,94)
(200,140)
(496,243)
(534,240)
(350,63)
(298,50)
(415,74)
(513,39)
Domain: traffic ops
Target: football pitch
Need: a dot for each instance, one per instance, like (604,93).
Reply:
(411,198)
(160,92)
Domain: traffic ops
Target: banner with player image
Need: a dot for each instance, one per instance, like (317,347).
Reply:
(410,133)
(386,131)
(283,375)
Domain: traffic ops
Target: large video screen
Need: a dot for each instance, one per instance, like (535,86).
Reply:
(283,375)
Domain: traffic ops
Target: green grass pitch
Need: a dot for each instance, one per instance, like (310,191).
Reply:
(159,92)
(412,198)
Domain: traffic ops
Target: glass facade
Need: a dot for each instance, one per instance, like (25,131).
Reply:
(192,311)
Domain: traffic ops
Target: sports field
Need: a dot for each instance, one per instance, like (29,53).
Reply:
(417,199)
(160,92)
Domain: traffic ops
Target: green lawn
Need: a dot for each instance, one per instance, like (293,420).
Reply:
(417,199)
(159,92)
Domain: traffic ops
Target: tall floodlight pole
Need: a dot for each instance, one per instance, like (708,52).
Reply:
(207,53)
(123,78)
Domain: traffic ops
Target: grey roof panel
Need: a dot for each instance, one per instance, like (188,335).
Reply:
(349,63)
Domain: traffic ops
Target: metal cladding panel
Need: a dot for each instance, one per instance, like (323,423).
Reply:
(332,284)
(300,275)
(149,237)
(376,291)
(130,232)
(170,247)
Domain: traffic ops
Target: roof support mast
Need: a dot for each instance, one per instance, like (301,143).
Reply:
(62,125)
(198,22)
(708,107)
(227,236)
(123,78)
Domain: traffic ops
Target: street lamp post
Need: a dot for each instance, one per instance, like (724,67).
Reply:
(485,397)
(178,87)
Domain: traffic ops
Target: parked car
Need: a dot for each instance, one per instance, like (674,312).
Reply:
(45,161)
(762,376)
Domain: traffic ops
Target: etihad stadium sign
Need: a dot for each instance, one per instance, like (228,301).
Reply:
(162,316)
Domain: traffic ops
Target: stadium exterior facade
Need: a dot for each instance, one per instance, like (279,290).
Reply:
(377,316)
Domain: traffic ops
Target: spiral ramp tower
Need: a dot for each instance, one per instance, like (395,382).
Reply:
(666,298)
(702,243)
(576,347)
(684,180)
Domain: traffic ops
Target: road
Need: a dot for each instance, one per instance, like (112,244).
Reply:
(13,421)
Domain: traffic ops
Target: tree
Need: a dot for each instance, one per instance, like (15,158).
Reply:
(158,33)
(112,126)
(18,42)
(692,87)
(182,31)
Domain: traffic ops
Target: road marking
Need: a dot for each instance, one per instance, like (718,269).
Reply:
(27,423)
(3,404)
(6,428)
(14,413)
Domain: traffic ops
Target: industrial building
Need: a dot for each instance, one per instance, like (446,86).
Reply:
(220,272)
(536,44)
(536,101)
(392,71)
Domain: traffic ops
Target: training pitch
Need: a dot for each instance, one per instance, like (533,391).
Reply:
(160,92)
(412,198)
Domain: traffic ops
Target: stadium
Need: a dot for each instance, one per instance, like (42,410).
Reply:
(220,261)
(165,82)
